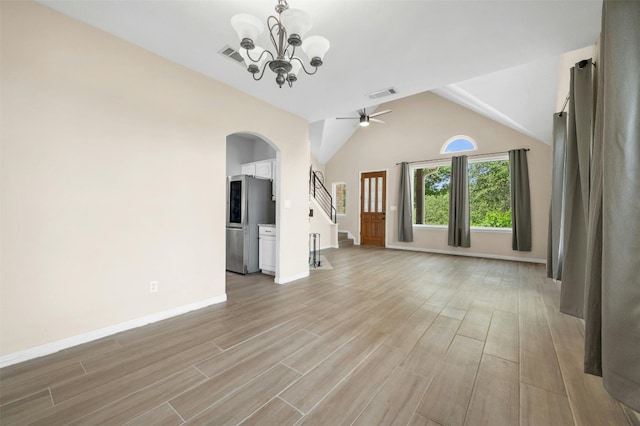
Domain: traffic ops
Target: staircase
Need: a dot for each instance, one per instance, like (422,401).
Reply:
(322,196)
(323,215)
(344,240)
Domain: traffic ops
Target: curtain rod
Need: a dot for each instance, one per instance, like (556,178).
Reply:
(565,104)
(468,156)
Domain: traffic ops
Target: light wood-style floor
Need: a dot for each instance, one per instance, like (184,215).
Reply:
(386,337)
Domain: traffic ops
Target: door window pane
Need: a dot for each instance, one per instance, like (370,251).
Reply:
(366,195)
(380,195)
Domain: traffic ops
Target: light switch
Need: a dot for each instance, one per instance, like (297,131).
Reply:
(287,204)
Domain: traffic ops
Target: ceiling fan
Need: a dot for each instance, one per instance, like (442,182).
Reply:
(365,118)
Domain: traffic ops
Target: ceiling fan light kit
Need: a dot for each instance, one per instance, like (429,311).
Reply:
(366,119)
(287,31)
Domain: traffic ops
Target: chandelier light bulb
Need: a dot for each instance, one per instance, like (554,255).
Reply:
(316,47)
(297,23)
(257,59)
(248,28)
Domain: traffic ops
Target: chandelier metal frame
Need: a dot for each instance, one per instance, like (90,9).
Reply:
(284,44)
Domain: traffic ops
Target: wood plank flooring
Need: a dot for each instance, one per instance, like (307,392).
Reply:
(387,337)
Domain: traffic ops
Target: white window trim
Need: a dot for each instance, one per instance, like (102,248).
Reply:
(489,229)
(451,139)
(473,228)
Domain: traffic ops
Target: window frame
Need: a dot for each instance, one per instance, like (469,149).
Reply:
(426,165)
(334,186)
(480,158)
(455,138)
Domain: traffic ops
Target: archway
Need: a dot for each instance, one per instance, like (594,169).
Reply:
(250,154)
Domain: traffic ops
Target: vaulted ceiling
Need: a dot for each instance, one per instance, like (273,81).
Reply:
(498,57)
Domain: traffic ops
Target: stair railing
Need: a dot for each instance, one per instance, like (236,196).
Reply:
(322,195)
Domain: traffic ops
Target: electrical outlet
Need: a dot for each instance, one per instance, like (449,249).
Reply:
(153,286)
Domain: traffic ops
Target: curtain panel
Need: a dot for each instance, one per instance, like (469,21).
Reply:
(577,187)
(520,200)
(554,248)
(405,226)
(620,275)
(601,230)
(593,271)
(459,217)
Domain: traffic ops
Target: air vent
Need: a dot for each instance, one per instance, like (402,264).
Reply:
(382,93)
(232,54)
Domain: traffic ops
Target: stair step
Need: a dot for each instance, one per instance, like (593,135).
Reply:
(344,240)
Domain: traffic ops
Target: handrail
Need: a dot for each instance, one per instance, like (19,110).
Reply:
(322,196)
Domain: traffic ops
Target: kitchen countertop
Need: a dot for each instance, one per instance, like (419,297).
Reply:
(270,225)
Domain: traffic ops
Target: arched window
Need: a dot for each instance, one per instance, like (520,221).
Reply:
(459,143)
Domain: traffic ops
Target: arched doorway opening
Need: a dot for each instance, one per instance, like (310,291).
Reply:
(253,164)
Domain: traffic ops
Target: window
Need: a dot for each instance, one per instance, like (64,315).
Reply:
(458,143)
(431,195)
(340,197)
(489,193)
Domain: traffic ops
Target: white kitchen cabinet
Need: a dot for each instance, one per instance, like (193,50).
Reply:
(263,169)
(267,249)
(248,169)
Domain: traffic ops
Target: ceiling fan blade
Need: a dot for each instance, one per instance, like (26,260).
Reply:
(376,120)
(380,113)
(347,118)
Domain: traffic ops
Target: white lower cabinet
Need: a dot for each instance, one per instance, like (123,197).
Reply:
(267,247)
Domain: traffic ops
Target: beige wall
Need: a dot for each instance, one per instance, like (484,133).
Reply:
(416,130)
(317,166)
(321,224)
(113,175)
(567,61)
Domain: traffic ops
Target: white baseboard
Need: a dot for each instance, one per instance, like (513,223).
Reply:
(49,348)
(328,247)
(469,254)
(281,280)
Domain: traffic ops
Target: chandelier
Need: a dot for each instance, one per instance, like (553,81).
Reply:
(286,32)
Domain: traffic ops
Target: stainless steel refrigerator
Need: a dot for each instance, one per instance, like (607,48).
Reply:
(249,203)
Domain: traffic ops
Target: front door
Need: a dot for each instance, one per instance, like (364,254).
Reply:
(373,203)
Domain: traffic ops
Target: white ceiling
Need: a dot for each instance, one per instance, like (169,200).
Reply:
(473,51)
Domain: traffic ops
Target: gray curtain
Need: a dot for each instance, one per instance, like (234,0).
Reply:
(554,247)
(405,227)
(621,201)
(593,271)
(520,200)
(459,219)
(576,193)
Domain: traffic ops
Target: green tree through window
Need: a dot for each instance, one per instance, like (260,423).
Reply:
(489,196)
(435,210)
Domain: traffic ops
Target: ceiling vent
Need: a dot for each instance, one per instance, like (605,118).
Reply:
(382,93)
(232,54)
